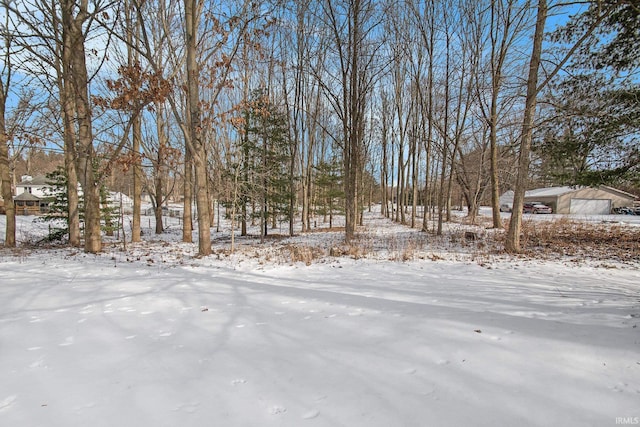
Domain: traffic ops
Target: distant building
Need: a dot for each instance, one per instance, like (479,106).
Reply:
(576,200)
(36,185)
(117,199)
(32,195)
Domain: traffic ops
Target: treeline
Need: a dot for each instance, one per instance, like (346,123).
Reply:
(283,110)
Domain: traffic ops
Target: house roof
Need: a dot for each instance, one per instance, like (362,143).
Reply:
(36,180)
(620,192)
(507,197)
(550,191)
(115,197)
(27,197)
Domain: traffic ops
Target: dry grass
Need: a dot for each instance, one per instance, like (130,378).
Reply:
(326,230)
(303,253)
(578,239)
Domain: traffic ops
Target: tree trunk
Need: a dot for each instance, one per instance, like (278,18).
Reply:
(493,140)
(512,241)
(137,179)
(68,112)
(5,178)
(199,152)
(74,42)
(67,106)
(444,159)
(187,227)
(429,122)
(158,180)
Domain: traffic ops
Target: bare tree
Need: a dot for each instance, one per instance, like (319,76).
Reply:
(352,25)
(512,241)
(5,175)
(507,20)
(424,19)
(74,68)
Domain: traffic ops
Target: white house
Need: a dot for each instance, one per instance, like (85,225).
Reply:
(118,199)
(33,195)
(36,185)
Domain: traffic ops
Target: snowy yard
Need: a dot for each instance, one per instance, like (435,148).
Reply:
(156,337)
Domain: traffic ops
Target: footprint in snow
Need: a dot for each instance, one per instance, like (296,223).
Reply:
(7,402)
(619,387)
(277,410)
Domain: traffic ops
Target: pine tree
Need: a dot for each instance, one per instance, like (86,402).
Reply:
(592,138)
(109,211)
(58,213)
(329,187)
(264,175)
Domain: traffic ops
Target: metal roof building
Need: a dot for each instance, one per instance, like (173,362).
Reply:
(577,200)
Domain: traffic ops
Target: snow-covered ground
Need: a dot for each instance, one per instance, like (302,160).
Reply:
(153,336)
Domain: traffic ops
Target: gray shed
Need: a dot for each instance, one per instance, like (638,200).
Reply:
(581,200)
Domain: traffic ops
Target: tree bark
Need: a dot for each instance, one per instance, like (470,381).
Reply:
(5,177)
(198,150)
(65,85)
(137,179)
(187,227)
(512,241)
(159,176)
(73,27)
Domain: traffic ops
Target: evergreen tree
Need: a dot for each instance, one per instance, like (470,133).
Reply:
(109,211)
(58,214)
(592,134)
(615,45)
(330,190)
(264,175)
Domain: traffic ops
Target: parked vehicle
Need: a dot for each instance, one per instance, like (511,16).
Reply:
(536,208)
(625,211)
(505,207)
